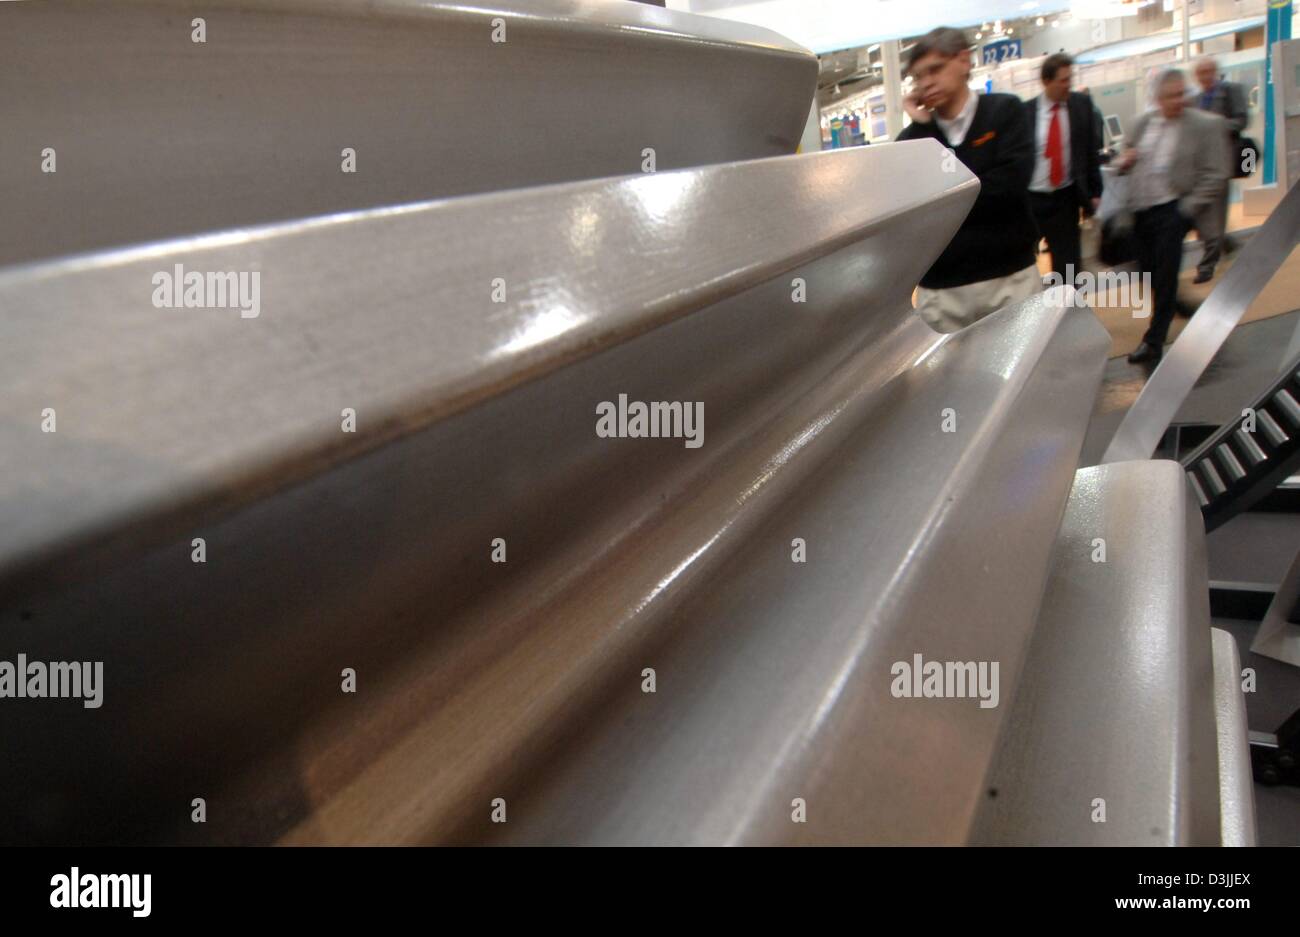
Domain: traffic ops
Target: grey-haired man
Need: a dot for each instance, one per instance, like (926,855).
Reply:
(1179,168)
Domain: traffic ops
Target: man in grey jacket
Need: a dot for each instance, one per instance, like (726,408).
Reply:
(1228,100)
(1179,168)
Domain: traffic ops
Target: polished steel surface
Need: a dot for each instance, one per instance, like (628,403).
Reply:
(475,422)
(1116,700)
(1185,360)
(778,682)
(1236,783)
(155,135)
(392,467)
(391,313)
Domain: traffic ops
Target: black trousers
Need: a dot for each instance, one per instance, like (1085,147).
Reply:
(1057,214)
(1159,232)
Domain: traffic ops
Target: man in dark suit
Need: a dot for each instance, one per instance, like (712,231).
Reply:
(989,263)
(1228,100)
(1067,164)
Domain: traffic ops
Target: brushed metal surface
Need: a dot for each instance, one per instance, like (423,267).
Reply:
(157,136)
(1186,360)
(1116,700)
(1236,782)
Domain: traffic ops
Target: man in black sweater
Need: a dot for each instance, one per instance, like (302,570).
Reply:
(990,261)
(1067,163)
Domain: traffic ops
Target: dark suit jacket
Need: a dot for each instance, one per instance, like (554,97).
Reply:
(999,235)
(1085,145)
(1228,100)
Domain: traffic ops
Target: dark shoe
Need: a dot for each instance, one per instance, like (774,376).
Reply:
(1182,310)
(1145,352)
(1203,276)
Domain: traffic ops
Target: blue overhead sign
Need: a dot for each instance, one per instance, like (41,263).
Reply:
(1002,51)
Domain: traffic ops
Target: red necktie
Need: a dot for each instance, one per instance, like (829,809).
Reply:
(1053,149)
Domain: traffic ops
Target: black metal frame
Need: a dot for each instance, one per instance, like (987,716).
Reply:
(1236,469)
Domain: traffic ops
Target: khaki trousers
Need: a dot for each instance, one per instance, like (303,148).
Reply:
(1211,222)
(953,309)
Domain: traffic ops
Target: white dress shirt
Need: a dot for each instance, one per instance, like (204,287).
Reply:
(957,128)
(1042,178)
(1155,155)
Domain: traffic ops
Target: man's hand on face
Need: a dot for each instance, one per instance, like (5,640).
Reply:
(915,109)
